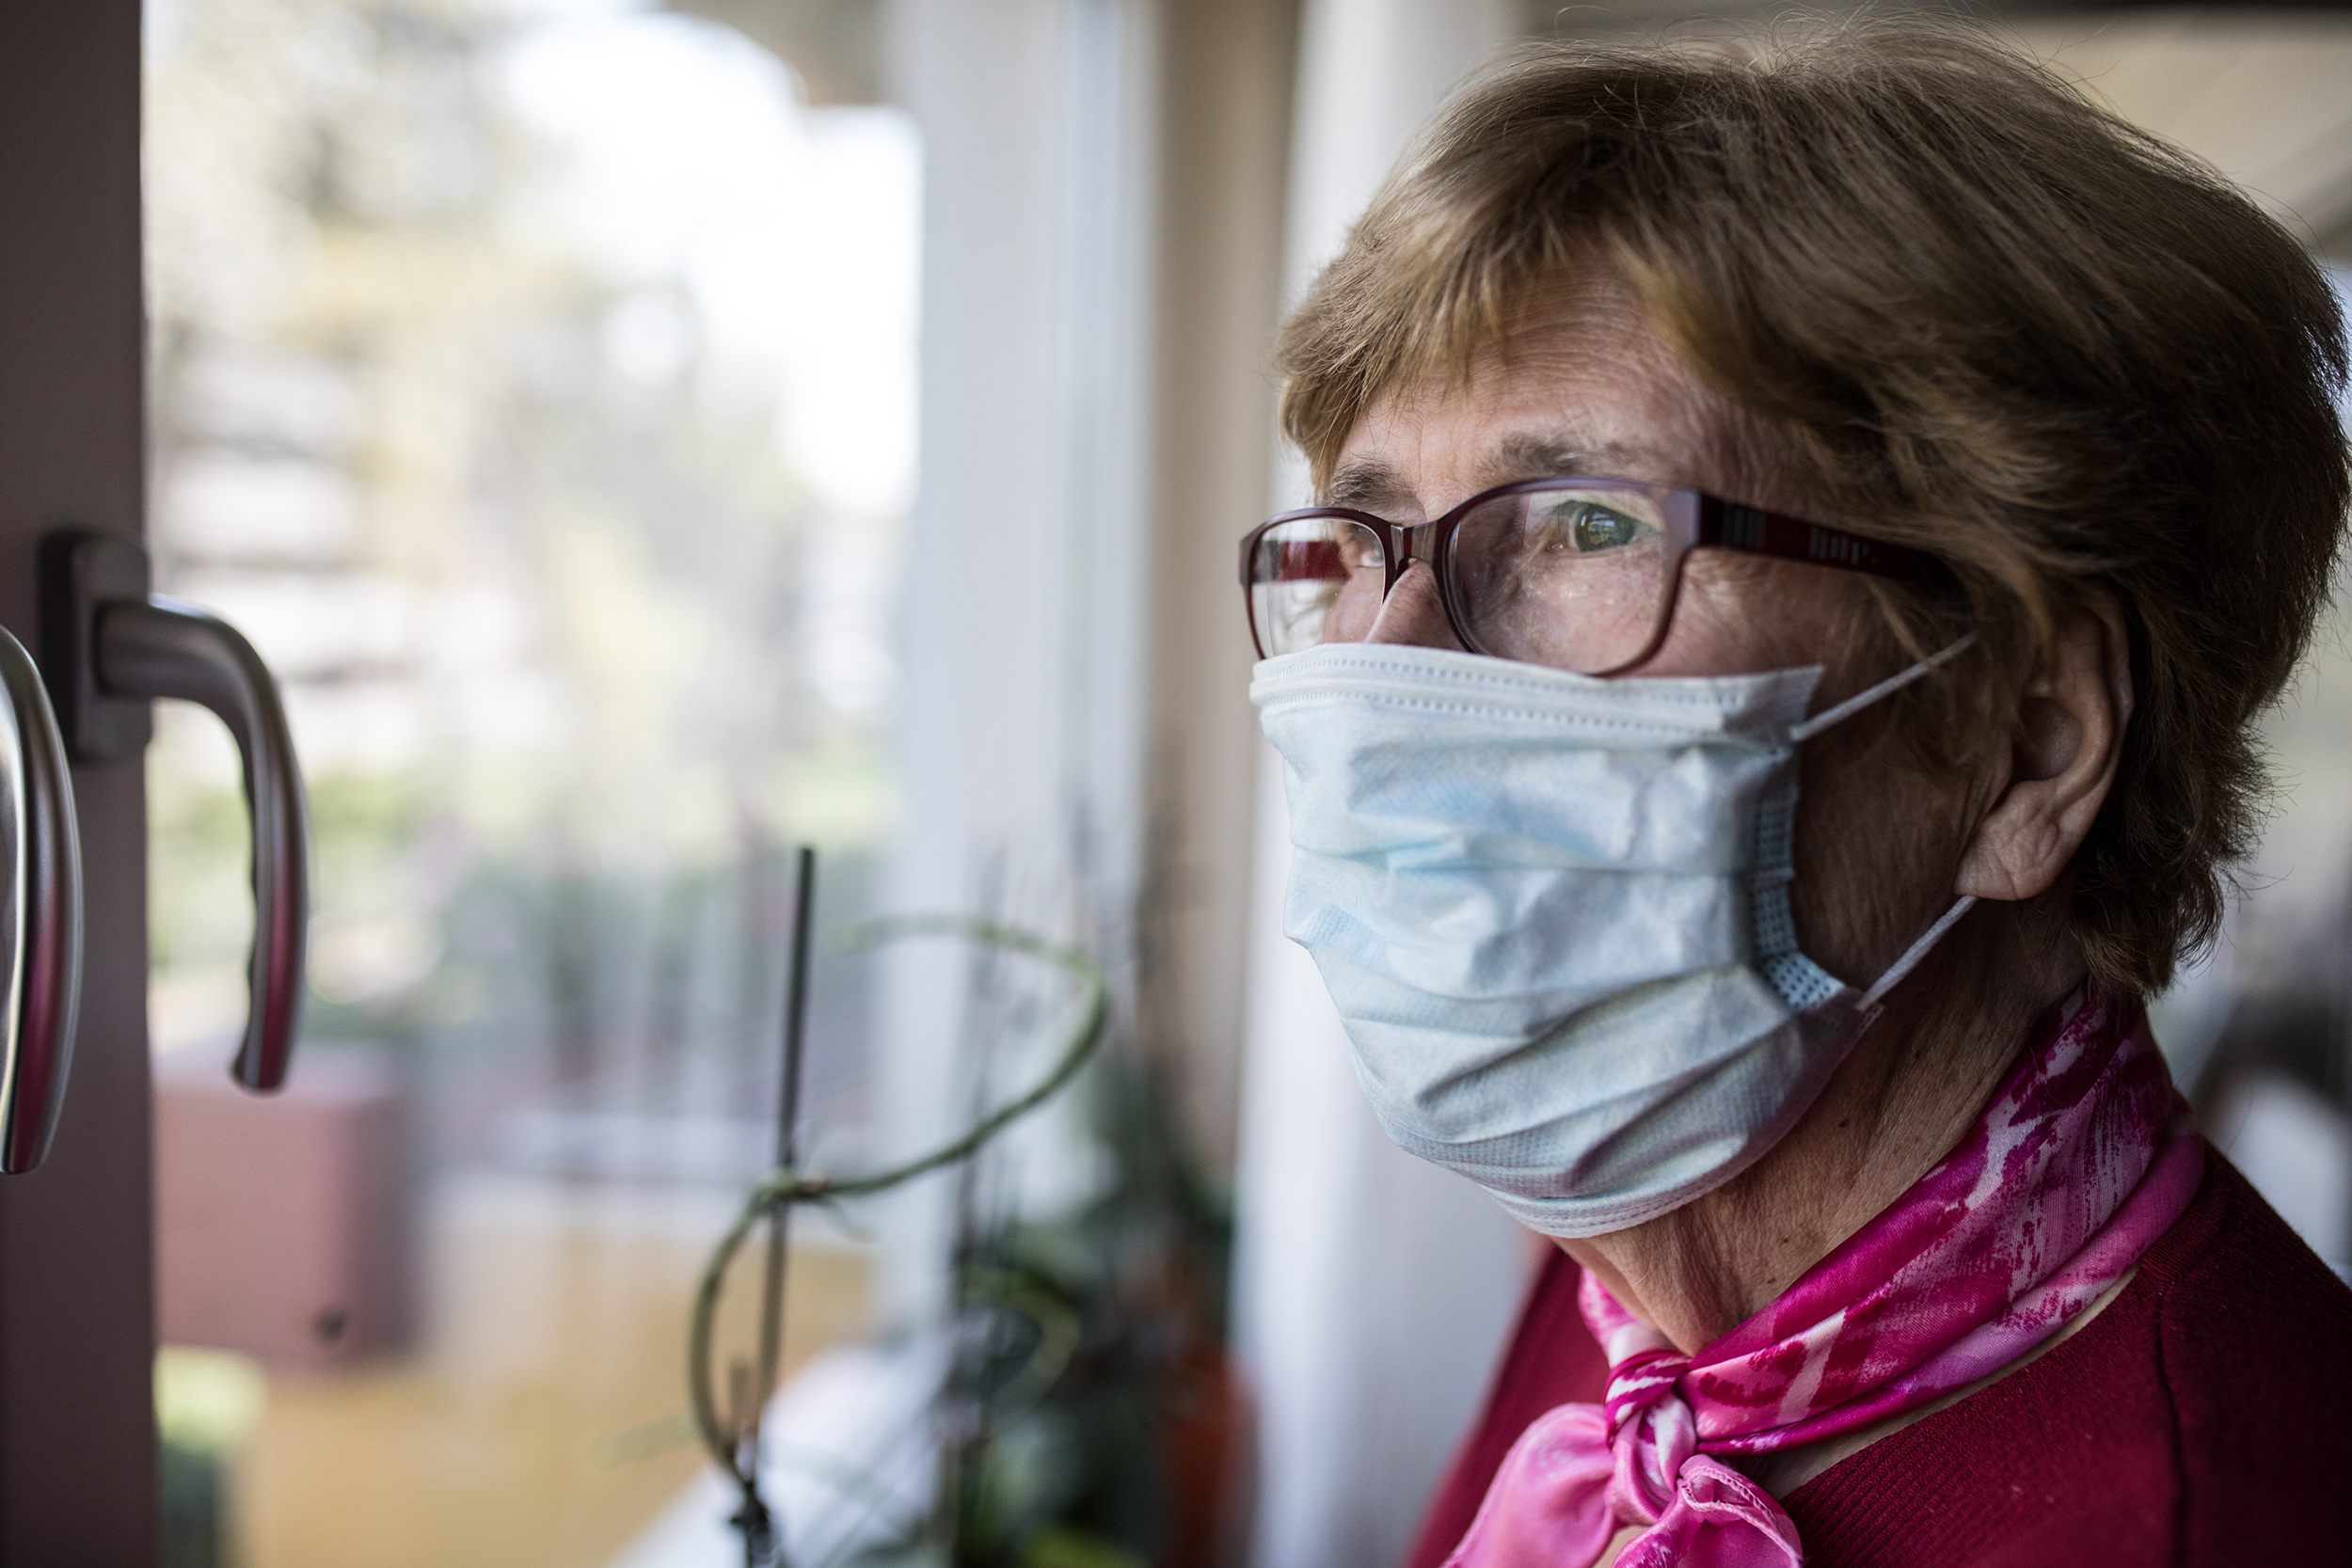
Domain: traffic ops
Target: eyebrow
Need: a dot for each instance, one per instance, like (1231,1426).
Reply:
(1369,484)
(1366,486)
(1534,457)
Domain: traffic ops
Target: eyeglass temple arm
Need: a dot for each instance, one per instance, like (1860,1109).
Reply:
(1730,526)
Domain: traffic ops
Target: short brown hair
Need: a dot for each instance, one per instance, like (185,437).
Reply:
(1991,320)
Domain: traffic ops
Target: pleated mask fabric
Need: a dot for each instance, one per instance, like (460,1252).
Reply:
(1552,911)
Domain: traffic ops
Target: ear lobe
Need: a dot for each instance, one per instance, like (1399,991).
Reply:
(2066,745)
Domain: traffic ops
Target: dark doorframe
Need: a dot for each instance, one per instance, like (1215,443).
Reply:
(78,1480)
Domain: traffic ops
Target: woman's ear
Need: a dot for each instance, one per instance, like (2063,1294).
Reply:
(2064,746)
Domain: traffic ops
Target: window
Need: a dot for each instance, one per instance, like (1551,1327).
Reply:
(534,385)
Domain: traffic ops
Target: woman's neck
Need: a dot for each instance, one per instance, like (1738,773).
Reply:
(1912,1087)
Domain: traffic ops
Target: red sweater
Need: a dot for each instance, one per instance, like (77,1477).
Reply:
(2205,1418)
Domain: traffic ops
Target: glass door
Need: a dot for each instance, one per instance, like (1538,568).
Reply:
(534,384)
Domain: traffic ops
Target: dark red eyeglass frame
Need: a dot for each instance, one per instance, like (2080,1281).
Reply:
(1695,520)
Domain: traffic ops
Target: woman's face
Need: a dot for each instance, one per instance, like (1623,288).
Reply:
(1600,392)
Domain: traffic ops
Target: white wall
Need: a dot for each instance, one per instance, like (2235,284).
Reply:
(1021,643)
(1374,1290)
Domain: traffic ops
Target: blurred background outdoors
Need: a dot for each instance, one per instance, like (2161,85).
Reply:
(534,386)
(646,438)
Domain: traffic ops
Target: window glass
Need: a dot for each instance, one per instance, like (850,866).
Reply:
(534,384)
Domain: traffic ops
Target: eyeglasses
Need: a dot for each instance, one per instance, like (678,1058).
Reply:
(1575,573)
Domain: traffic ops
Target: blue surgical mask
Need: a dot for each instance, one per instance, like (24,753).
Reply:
(1553,913)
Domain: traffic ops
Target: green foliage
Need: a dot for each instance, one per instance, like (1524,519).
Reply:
(1080,1338)
(1060,1546)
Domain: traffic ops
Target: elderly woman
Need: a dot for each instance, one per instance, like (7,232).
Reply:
(1768,692)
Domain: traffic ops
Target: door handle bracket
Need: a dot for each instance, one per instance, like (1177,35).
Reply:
(80,570)
(110,648)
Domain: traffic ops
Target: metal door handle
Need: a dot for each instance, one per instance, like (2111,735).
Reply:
(164,648)
(109,648)
(40,915)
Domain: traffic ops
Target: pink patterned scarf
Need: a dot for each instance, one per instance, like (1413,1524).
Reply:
(2078,1167)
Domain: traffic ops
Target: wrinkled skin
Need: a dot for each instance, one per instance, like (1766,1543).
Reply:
(1883,845)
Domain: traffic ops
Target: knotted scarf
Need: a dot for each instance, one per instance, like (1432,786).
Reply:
(2080,1162)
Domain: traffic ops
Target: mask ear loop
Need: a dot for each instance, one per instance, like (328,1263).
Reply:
(1868,1006)
(1917,951)
(1884,688)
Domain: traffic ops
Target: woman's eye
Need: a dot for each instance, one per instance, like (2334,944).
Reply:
(1585,528)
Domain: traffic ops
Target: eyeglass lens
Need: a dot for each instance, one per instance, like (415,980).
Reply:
(1574,579)
(1315,580)
(1571,578)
